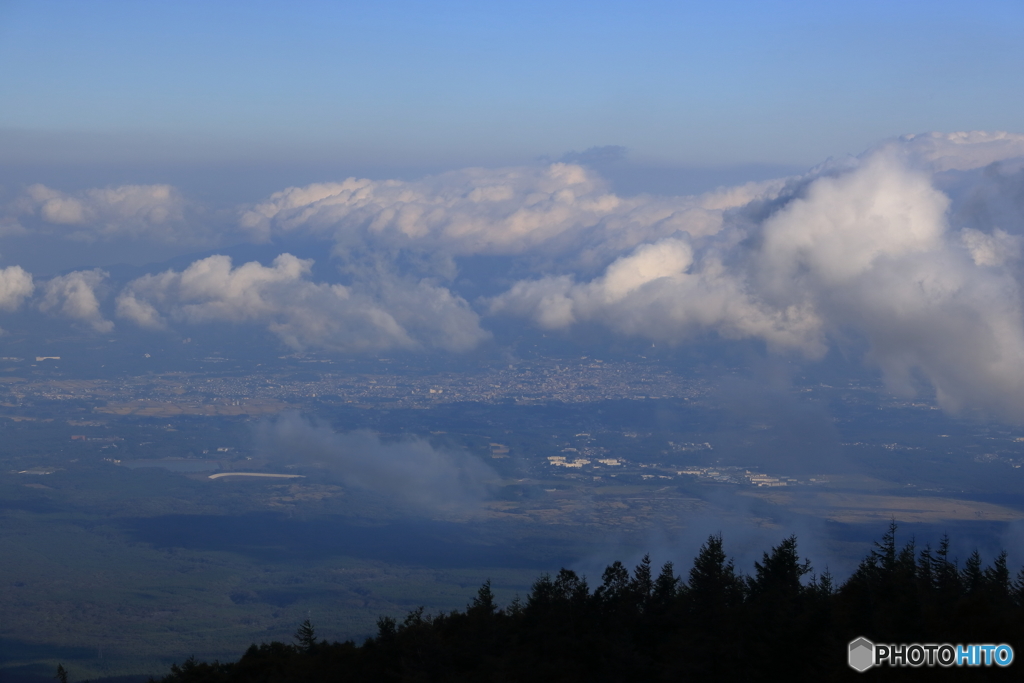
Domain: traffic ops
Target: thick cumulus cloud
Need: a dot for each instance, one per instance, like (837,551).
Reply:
(658,292)
(560,209)
(409,472)
(388,313)
(139,212)
(74,296)
(873,253)
(558,215)
(554,217)
(861,251)
(910,253)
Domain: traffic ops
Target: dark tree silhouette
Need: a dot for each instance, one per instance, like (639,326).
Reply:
(306,636)
(718,625)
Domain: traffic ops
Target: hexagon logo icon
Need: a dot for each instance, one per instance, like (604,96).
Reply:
(862,654)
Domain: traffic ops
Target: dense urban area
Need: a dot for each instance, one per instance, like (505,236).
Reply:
(582,380)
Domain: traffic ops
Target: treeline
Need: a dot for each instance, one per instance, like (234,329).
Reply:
(783,622)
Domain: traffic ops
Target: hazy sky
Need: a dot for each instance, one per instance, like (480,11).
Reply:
(450,84)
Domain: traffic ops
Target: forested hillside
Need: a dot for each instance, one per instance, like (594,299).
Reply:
(783,622)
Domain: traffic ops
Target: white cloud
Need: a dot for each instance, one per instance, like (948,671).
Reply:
(911,250)
(860,251)
(388,313)
(655,293)
(74,296)
(15,286)
(151,212)
(872,252)
(863,249)
(557,210)
(843,225)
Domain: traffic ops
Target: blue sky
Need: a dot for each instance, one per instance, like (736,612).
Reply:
(448,84)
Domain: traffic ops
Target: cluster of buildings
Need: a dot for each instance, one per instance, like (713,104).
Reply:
(578,463)
(726,475)
(739,475)
(576,381)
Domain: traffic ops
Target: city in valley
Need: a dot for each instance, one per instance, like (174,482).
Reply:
(190,493)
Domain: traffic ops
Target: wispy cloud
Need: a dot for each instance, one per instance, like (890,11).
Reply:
(154,212)
(409,473)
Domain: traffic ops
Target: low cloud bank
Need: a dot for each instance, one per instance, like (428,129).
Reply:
(389,313)
(559,211)
(908,256)
(409,472)
(153,212)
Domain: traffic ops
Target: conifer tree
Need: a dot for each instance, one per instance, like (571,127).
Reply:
(483,603)
(666,586)
(997,578)
(614,583)
(713,583)
(387,628)
(947,577)
(971,575)
(824,584)
(778,575)
(1017,589)
(925,572)
(306,636)
(642,583)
